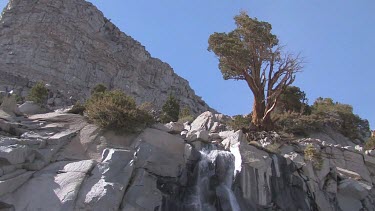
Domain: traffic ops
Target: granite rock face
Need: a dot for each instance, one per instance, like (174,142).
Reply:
(62,162)
(70,45)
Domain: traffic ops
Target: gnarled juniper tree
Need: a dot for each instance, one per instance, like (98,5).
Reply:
(252,53)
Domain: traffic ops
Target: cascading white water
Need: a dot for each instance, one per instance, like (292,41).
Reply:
(214,179)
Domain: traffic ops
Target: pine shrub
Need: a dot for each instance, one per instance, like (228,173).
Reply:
(116,111)
(170,110)
(38,93)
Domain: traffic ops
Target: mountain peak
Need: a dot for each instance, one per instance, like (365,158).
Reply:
(72,46)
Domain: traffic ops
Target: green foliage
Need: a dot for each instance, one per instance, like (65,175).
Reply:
(19,99)
(232,50)
(185,115)
(340,117)
(77,108)
(293,100)
(313,155)
(185,111)
(252,53)
(184,119)
(296,123)
(274,147)
(38,93)
(370,143)
(324,112)
(117,111)
(147,107)
(170,110)
(99,88)
(239,122)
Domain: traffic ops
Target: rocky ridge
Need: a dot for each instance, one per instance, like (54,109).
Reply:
(58,161)
(70,45)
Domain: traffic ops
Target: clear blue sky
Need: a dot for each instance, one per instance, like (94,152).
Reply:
(337,38)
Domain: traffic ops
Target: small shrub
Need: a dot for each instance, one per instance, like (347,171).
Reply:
(38,93)
(274,147)
(297,124)
(77,108)
(19,99)
(341,117)
(292,99)
(370,143)
(312,154)
(99,88)
(184,119)
(240,122)
(185,115)
(185,111)
(147,107)
(117,111)
(170,110)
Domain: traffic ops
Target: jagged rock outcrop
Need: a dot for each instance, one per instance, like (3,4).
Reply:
(59,161)
(70,45)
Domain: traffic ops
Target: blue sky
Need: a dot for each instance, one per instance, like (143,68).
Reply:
(336,37)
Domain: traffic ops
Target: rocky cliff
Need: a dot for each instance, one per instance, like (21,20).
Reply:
(58,161)
(72,46)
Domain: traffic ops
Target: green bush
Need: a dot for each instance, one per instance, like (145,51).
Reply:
(274,147)
(116,111)
(240,122)
(296,123)
(99,88)
(185,115)
(38,93)
(311,154)
(370,143)
(324,112)
(293,100)
(341,117)
(77,108)
(170,110)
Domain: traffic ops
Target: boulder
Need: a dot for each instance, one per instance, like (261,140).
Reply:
(297,159)
(200,135)
(175,127)
(9,105)
(348,203)
(354,189)
(8,185)
(31,108)
(162,127)
(345,173)
(143,193)
(207,121)
(104,189)
(54,188)
(14,154)
(160,153)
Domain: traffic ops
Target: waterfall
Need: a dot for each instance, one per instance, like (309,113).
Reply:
(214,175)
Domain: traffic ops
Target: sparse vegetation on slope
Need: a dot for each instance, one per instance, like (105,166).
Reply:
(295,116)
(312,154)
(370,143)
(239,122)
(38,93)
(170,110)
(340,117)
(116,111)
(185,115)
(77,108)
